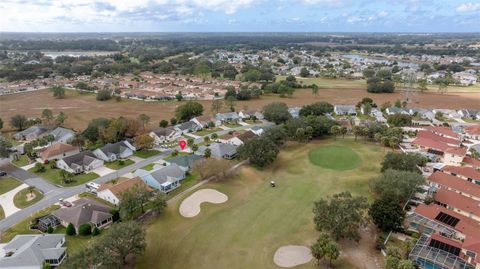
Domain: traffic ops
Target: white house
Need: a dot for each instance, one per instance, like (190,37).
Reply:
(162,135)
(62,135)
(81,162)
(345,110)
(112,152)
(112,192)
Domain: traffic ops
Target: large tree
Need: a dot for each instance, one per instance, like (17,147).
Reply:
(19,121)
(47,116)
(399,185)
(260,151)
(189,110)
(58,91)
(276,112)
(341,215)
(317,109)
(387,214)
(403,161)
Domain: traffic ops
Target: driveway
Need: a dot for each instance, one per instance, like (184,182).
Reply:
(103,171)
(6,200)
(28,178)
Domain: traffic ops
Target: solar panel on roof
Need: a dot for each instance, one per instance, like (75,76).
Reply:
(447,219)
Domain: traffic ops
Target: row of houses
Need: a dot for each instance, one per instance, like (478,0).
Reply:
(450,225)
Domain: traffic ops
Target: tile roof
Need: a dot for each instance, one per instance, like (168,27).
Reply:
(459,201)
(122,185)
(473,129)
(57,149)
(465,171)
(456,183)
(442,130)
(432,136)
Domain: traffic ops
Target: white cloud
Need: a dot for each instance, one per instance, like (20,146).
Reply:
(333,3)
(468,7)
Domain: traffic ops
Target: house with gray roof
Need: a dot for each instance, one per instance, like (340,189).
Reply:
(187,127)
(185,162)
(81,162)
(344,110)
(219,150)
(395,110)
(227,117)
(85,211)
(32,251)
(164,179)
(31,133)
(62,135)
(111,152)
(162,135)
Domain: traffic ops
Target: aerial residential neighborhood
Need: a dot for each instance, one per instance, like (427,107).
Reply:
(243,134)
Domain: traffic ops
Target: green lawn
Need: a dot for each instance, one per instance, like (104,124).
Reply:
(187,182)
(252,122)
(116,164)
(7,184)
(21,198)
(23,227)
(232,125)
(2,214)
(22,161)
(207,131)
(53,175)
(335,157)
(76,243)
(245,231)
(148,167)
(144,153)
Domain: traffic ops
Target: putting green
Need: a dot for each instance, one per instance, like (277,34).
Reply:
(335,157)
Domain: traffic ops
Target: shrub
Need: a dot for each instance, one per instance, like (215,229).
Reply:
(70,230)
(85,229)
(95,231)
(50,230)
(121,162)
(104,95)
(39,168)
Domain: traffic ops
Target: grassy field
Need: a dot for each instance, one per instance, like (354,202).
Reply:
(257,219)
(149,167)
(22,161)
(53,175)
(7,184)
(21,198)
(144,153)
(80,109)
(329,83)
(2,214)
(116,164)
(334,157)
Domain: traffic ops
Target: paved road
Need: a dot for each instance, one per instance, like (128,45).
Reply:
(28,177)
(53,196)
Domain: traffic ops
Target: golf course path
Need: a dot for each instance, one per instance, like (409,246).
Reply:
(190,207)
(291,256)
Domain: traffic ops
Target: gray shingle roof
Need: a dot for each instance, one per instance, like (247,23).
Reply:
(115,148)
(30,251)
(80,159)
(83,211)
(161,175)
(59,133)
(185,160)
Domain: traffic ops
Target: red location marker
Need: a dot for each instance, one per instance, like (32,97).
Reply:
(183,144)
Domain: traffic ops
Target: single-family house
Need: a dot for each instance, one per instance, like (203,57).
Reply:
(469,113)
(219,150)
(81,162)
(227,117)
(58,151)
(187,127)
(344,110)
(395,110)
(164,179)
(472,132)
(204,121)
(185,162)
(257,130)
(248,114)
(162,135)
(465,78)
(31,133)
(241,138)
(112,191)
(62,135)
(32,251)
(111,152)
(85,211)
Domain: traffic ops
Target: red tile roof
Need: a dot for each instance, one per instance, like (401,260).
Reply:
(432,136)
(455,183)
(56,149)
(465,171)
(449,241)
(466,226)
(472,162)
(459,201)
(473,130)
(442,130)
(438,146)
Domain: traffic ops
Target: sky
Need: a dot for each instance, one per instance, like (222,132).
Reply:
(239,16)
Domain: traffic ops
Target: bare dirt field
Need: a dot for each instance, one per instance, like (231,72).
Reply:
(81,108)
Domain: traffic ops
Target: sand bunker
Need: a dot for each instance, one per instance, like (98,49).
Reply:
(291,256)
(190,207)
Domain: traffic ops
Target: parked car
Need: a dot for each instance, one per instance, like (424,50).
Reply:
(2,173)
